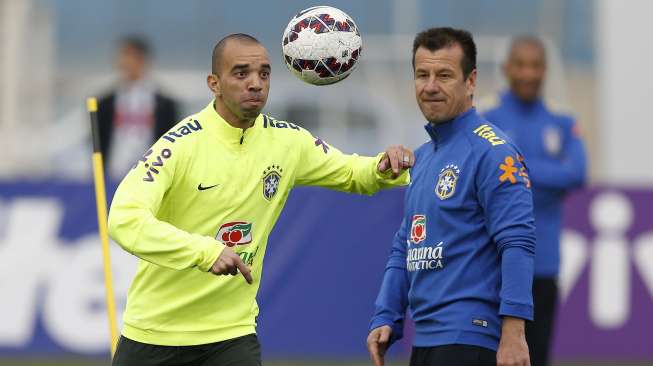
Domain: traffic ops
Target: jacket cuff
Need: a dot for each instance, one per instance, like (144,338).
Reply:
(209,254)
(386,177)
(522,311)
(397,328)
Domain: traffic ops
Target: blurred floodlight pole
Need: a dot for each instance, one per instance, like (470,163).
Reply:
(13,22)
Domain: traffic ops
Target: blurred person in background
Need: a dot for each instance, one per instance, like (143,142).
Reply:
(462,260)
(556,162)
(133,115)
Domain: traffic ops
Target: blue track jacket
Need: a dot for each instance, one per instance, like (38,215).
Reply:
(463,256)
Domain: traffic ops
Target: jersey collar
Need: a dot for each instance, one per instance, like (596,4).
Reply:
(442,131)
(511,99)
(224,130)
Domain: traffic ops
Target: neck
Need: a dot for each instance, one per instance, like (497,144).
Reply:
(464,110)
(525,100)
(231,118)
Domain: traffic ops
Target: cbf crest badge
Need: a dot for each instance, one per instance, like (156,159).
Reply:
(271,180)
(447,180)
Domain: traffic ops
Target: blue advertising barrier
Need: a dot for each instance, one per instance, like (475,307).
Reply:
(322,270)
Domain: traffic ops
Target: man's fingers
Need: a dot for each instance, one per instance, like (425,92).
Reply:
(396,158)
(384,163)
(374,353)
(408,158)
(377,359)
(384,337)
(393,154)
(244,270)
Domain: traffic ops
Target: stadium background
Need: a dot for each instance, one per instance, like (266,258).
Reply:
(325,259)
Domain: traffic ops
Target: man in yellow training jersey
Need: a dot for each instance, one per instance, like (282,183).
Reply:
(202,202)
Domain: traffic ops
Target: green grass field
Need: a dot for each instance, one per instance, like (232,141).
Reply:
(95,362)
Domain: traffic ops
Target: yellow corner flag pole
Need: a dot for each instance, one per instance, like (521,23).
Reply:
(101,200)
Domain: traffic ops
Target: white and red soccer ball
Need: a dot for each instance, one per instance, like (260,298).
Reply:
(321,45)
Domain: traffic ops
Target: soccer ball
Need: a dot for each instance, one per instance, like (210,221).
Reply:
(321,45)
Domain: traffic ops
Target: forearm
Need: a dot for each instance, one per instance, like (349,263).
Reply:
(137,231)
(512,326)
(517,282)
(366,172)
(391,303)
(351,173)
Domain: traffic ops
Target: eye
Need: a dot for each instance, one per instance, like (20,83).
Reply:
(265,74)
(241,74)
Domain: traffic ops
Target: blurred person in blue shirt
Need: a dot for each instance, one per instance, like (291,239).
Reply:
(462,260)
(556,163)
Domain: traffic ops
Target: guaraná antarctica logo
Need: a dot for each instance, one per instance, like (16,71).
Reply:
(235,233)
(418,229)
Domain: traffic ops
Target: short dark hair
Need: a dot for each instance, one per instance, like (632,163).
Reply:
(218,49)
(435,39)
(138,43)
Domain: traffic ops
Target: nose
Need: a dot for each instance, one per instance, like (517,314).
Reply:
(432,86)
(255,84)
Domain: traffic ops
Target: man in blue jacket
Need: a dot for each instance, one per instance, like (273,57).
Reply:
(462,260)
(556,163)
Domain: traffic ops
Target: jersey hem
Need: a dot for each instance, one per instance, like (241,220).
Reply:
(433,339)
(185,338)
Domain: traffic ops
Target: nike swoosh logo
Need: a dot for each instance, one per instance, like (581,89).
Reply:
(199,186)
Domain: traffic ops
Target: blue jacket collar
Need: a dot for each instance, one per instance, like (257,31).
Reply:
(441,131)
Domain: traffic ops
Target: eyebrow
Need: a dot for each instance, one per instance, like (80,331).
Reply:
(240,66)
(246,66)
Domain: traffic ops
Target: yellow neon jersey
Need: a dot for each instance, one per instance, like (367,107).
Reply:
(204,185)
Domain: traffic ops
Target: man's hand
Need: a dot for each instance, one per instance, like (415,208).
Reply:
(230,263)
(513,350)
(397,158)
(377,343)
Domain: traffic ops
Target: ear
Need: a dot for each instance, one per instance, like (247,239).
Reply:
(471,83)
(213,82)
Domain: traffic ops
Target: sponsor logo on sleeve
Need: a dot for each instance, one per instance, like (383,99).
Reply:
(154,165)
(486,132)
(270,121)
(511,169)
(320,142)
(182,131)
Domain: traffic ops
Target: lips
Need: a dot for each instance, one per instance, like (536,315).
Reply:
(254,99)
(434,102)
